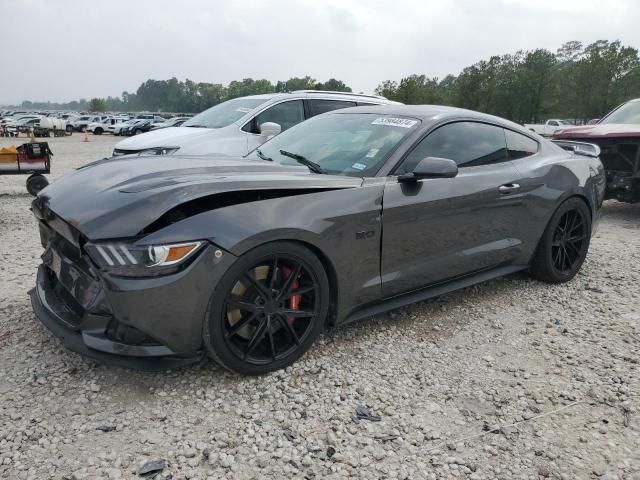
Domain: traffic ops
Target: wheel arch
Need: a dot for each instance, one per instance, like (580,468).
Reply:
(574,194)
(332,275)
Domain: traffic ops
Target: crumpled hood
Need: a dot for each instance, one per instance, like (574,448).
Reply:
(119,197)
(604,130)
(165,137)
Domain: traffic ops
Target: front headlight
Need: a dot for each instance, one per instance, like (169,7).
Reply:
(140,260)
(158,151)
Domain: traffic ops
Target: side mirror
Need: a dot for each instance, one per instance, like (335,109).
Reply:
(270,129)
(431,167)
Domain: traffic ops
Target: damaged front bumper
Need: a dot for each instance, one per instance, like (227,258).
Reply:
(54,315)
(150,323)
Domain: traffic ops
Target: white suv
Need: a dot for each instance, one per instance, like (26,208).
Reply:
(98,128)
(238,126)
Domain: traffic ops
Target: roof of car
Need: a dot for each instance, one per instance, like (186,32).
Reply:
(323,94)
(427,113)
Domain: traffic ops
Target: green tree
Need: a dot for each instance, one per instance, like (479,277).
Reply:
(97,105)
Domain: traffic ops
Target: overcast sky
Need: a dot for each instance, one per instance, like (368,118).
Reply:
(64,50)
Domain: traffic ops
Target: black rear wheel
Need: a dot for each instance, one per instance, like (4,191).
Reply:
(268,309)
(35,183)
(564,244)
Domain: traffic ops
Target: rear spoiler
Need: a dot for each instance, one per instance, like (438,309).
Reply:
(579,148)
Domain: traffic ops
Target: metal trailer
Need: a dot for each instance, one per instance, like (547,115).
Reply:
(33,159)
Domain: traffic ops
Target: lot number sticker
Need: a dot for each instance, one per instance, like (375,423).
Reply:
(394,122)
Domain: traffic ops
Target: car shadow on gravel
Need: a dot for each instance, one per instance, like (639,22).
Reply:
(435,318)
(17,195)
(618,211)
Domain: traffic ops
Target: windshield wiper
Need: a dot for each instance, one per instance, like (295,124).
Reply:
(196,126)
(313,166)
(263,156)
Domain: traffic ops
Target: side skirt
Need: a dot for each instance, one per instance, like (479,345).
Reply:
(430,292)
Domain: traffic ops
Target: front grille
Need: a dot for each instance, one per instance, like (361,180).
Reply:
(71,277)
(50,238)
(67,299)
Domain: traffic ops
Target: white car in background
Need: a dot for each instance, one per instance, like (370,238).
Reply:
(98,128)
(82,122)
(238,126)
(117,127)
(548,128)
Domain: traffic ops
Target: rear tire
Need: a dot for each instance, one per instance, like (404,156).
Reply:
(267,310)
(564,243)
(97,131)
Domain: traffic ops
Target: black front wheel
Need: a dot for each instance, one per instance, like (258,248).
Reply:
(35,183)
(268,309)
(564,244)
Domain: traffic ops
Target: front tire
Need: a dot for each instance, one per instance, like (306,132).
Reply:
(268,309)
(564,243)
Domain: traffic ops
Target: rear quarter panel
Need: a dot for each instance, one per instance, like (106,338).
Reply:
(551,177)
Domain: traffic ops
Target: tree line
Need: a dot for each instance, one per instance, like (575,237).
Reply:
(187,96)
(576,82)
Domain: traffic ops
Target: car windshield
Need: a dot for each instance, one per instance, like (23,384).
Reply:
(627,113)
(353,144)
(224,113)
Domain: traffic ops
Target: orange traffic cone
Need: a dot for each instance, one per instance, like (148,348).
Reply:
(86,137)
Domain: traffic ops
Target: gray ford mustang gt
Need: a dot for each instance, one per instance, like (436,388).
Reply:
(155,261)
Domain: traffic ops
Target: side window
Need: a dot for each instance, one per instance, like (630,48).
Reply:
(553,123)
(318,106)
(365,104)
(519,145)
(467,143)
(286,114)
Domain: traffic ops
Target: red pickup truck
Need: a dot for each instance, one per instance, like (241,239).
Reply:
(618,136)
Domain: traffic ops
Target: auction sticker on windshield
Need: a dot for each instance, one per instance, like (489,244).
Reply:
(394,122)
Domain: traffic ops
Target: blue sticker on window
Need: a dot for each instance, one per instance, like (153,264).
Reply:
(358,166)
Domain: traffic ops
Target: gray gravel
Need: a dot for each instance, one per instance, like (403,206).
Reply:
(510,379)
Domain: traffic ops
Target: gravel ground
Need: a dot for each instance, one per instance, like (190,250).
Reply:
(510,379)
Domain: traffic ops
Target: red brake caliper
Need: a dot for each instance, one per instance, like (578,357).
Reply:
(294,301)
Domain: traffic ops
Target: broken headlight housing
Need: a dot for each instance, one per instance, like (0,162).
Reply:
(128,259)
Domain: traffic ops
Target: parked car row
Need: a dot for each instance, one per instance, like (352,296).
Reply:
(40,126)
(13,122)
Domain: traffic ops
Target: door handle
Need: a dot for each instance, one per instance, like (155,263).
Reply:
(508,188)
